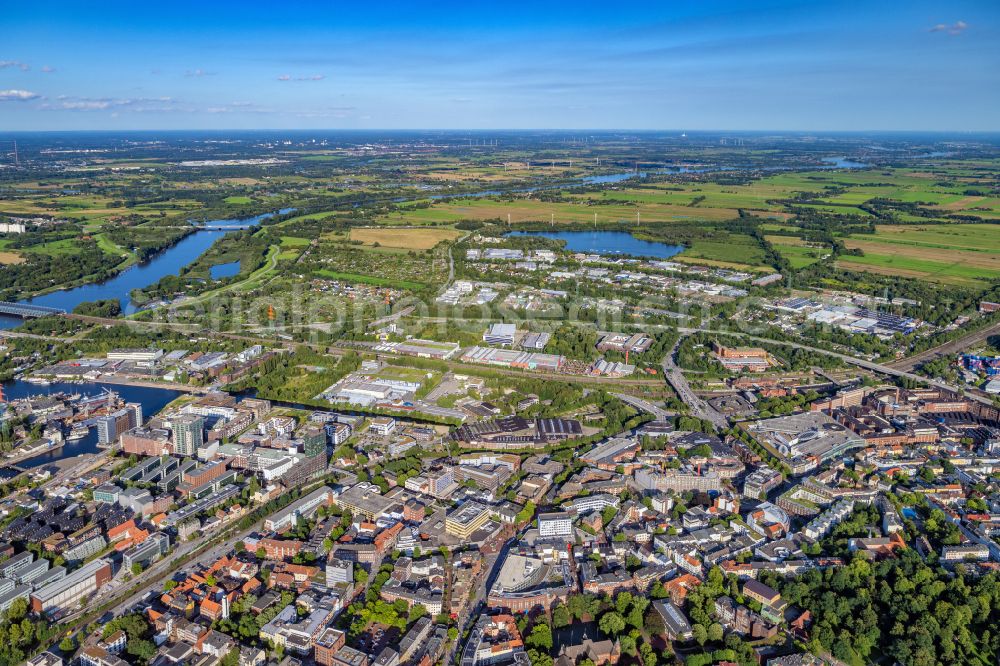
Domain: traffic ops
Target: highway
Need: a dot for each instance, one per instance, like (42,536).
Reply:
(679,382)
(644,406)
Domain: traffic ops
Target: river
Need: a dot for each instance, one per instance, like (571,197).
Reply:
(168,262)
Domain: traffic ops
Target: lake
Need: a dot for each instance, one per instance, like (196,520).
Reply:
(220,271)
(607,242)
(843,163)
(152,399)
(168,262)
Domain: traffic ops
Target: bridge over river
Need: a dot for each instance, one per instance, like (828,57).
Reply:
(26,311)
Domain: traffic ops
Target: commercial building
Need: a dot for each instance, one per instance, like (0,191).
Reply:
(677,480)
(555,524)
(70,590)
(382,426)
(811,434)
(466,519)
(326,646)
(148,357)
(514,432)
(514,359)
(146,442)
(112,426)
(621,342)
(421,348)
(151,549)
(338,571)
(760,482)
(500,334)
(363,500)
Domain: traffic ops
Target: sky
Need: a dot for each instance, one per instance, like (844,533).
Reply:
(671,64)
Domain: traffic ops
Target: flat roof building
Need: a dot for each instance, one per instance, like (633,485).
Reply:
(466,519)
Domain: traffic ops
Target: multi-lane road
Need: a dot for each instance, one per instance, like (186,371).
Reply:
(680,384)
(860,362)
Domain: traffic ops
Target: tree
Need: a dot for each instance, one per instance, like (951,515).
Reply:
(658,591)
(611,624)
(540,637)
(67,644)
(647,654)
(141,648)
(715,632)
(561,616)
(700,633)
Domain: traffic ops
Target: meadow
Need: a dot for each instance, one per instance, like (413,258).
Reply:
(961,254)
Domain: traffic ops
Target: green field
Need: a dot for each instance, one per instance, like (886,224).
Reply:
(238,200)
(530,210)
(368,279)
(966,255)
(736,250)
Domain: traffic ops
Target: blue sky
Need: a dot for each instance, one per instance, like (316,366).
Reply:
(762,64)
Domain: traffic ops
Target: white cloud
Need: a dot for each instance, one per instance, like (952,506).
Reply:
(48,69)
(238,107)
(313,77)
(23,66)
(133,104)
(198,73)
(17,95)
(956,28)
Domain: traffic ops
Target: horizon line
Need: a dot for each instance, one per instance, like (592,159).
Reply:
(512,130)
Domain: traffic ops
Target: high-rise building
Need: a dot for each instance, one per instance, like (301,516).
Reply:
(314,441)
(110,427)
(136,408)
(189,433)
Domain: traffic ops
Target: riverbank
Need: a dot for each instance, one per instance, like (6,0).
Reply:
(172,386)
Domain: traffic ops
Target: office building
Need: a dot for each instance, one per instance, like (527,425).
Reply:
(70,590)
(555,524)
(466,519)
(112,426)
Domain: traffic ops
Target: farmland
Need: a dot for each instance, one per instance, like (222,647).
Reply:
(966,255)
(530,210)
(407,239)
